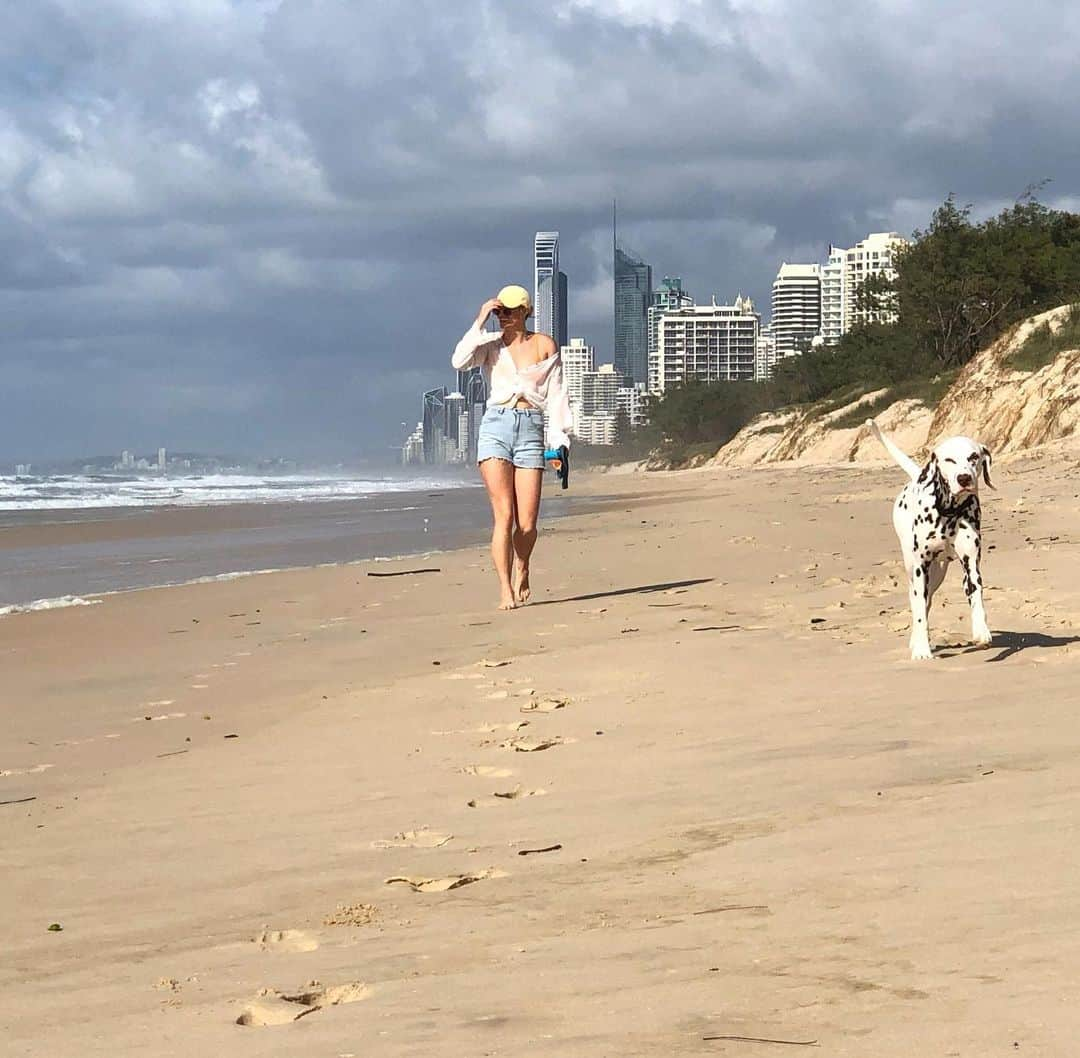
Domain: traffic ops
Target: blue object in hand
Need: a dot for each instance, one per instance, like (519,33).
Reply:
(560,462)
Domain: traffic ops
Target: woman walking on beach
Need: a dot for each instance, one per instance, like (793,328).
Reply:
(523,372)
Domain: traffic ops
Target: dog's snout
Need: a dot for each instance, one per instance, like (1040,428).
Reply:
(965,481)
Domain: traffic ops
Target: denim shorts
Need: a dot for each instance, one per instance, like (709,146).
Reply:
(513,434)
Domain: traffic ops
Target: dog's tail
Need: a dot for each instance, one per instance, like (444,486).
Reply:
(910,467)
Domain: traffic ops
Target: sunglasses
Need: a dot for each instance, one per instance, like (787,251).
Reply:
(502,310)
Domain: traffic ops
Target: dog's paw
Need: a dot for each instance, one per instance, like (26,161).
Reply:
(982,637)
(921,652)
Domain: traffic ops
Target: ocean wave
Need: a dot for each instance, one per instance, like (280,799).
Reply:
(59,603)
(74,492)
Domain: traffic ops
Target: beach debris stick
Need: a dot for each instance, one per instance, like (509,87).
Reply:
(529,852)
(733,907)
(18,801)
(406,572)
(763,1039)
(174,753)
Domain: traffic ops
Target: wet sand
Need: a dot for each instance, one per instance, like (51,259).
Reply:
(695,789)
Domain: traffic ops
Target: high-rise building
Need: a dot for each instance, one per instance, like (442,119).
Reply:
(475,391)
(546,308)
(577,358)
(710,343)
(875,255)
(599,429)
(434,424)
(599,390)
(832,296)
(764,355)
(668,297)
(412,451)
(632,401)
(845,273)
(633,295)
(161,459)
(455,413)
(796,308)
(562,331)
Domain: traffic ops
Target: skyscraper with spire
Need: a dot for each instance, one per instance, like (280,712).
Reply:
(633,295)
(549,287)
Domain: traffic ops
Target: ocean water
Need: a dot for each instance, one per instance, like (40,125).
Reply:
(72,541)
(81,492)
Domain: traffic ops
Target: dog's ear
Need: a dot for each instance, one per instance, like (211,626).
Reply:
(929,472)
(987,459)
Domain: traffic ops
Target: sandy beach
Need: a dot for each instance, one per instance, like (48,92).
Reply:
(695,789)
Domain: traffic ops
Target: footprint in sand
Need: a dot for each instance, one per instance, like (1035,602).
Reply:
(451,881)
(531,745)
(486,770)
(506,795)
(545,705)
(290,940)
(271,1007)
(414,839)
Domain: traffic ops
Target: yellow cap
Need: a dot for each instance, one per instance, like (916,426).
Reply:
(513,297)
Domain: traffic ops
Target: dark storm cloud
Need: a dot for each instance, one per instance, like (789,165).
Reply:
(260,225)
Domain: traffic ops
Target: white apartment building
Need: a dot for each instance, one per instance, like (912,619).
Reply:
(668,297)
(875,255)
(597,429)
(632,402)
(764,355)
(796,307)
(832,296)
(599,390)
(578,358)
(711,343)
(845,272)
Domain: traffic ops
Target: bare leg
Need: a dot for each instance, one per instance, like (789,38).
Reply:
(498,475)
(527,485)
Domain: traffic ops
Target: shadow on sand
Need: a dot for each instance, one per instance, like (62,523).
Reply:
(1009,644)
(641,589)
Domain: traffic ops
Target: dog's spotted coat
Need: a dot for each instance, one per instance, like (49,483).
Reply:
(937,518)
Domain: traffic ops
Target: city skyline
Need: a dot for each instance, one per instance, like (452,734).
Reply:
(195,252)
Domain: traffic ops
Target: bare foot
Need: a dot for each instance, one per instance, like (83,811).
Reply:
(508,602)
(521,576)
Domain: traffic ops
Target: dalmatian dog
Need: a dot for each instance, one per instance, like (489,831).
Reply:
(937,519)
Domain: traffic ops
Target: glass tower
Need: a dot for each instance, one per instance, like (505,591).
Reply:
(633,296)
(546,283)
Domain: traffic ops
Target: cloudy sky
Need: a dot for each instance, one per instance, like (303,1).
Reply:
(259,226)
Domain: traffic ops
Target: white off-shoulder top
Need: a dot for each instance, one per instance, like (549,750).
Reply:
(540,385)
